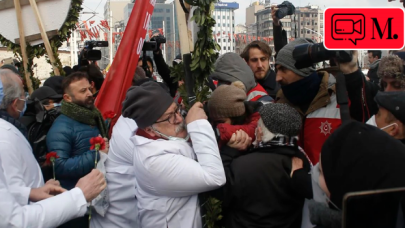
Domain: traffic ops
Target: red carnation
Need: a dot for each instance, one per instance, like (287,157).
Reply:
(97,143)
(50,158)
(109,115)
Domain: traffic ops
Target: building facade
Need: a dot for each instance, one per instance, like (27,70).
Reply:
(309,22)
(251,10)
(264,27)
(224,29)
(116,7)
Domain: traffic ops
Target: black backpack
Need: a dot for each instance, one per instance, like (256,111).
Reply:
(37,132)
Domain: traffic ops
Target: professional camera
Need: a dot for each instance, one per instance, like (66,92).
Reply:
(159,39)
(284,9)
(305,55)
(88,54)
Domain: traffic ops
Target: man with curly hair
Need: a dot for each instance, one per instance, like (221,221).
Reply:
(391,73)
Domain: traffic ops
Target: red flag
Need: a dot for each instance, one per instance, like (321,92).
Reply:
(121,72)
(104,24)
(258,38)
(234,35)
(150,31)
(244,38)
(229,35)
(96,32)
(92,22)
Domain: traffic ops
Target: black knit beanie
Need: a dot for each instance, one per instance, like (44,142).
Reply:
(146,103)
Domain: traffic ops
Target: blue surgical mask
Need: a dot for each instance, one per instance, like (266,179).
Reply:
(1,92)
(25,107)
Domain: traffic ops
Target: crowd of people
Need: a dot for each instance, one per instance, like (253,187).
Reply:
(269,145)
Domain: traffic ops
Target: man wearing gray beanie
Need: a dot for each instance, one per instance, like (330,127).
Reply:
(312,94)
(273,177)
(164,165)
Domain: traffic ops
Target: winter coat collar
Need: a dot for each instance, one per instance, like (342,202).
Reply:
(327,87)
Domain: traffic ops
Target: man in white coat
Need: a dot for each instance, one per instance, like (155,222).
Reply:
(120,173)
(169,171)
(18,162)
(50,212)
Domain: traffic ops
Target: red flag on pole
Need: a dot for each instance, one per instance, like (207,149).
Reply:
(121,73)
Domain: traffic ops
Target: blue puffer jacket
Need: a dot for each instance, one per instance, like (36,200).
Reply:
(71,141)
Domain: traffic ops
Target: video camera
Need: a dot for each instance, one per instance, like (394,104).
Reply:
(154,43)
(305,55)
(88,53)
(284,9)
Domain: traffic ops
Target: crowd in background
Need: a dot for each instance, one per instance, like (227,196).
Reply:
(269,145)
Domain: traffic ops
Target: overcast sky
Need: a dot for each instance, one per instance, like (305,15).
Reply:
(98,6)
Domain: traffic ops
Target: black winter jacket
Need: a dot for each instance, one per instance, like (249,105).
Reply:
(259,191)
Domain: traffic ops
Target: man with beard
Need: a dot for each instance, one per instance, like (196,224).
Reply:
(313,95)
(71,132)
(154,168)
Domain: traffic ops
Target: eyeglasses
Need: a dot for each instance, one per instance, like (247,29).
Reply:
(172,116)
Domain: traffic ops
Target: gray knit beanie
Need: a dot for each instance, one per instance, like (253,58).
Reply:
(146,103)
(227,101)
(285,57)
(281,119)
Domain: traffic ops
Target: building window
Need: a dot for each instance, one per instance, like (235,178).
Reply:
(229,40)
(167,10)
(229,48)
(224,40)
(307,31)
(158,10)
(224,48)
(301,31)
(223,17)
(219,40)
(227,17)
(228,26)
(168,19)
(233,18)
(218,17)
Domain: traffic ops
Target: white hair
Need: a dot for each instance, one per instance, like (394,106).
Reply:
(11,88)
(267,135)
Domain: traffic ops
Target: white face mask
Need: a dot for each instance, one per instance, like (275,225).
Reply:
(372,122)
(172,138)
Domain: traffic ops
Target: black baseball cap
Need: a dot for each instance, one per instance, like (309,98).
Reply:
(45,92)
(394,102)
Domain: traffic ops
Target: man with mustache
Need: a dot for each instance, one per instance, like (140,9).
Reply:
(71,132)
(157,166)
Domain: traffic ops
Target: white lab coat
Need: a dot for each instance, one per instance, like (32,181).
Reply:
(123,210)
(170,174)
(18,162)
(51,212)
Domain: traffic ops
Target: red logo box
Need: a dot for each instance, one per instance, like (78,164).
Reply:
(364,28)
